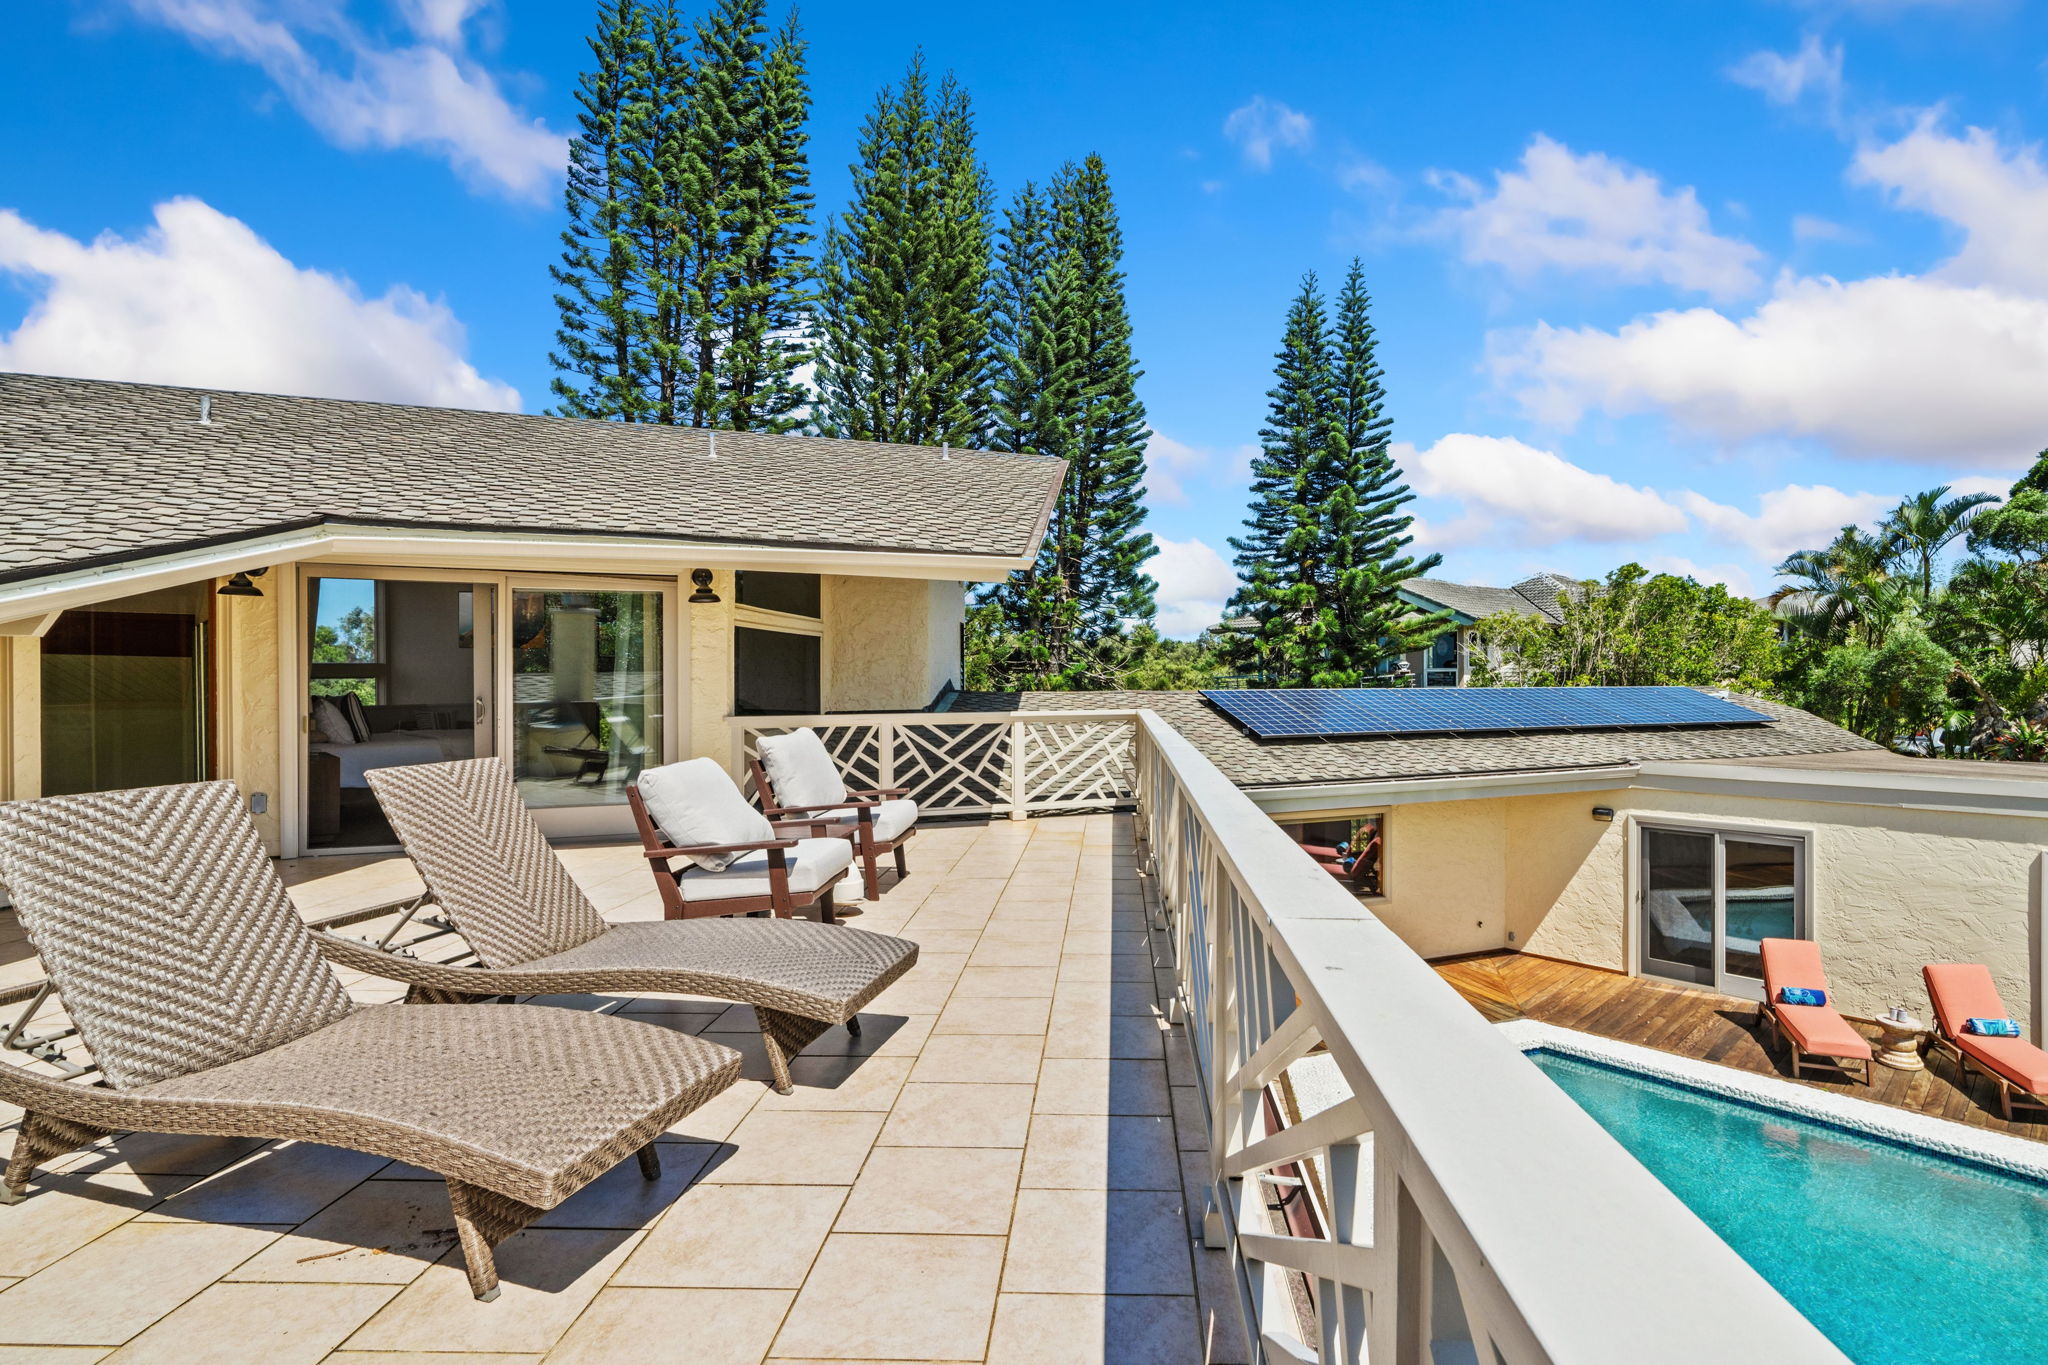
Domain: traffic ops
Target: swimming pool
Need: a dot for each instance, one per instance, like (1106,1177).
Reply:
(1901,1256)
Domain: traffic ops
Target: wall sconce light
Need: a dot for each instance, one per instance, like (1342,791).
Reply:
(240,586)
(1603,813)
(702,578)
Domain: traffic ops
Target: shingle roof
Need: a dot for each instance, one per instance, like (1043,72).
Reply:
(1534,596)
(1250,763)
(96,471)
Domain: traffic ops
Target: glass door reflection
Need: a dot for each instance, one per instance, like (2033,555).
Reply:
(1760,900)
(586,693)
(1678,905)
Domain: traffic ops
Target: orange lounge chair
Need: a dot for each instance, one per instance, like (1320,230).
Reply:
(1962,991)
(1810,1031)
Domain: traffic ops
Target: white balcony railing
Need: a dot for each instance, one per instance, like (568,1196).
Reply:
(1465,1208)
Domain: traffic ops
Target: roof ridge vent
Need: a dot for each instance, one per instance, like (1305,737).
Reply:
(945,452)
(205,410)
(714,444)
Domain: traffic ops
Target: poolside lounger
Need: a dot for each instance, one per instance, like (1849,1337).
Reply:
(795,774)
(208,1010)
(1810,1031)
(1962,991)
(535,933)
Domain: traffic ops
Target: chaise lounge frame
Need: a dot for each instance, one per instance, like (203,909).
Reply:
(1946,1041)
(207,1009)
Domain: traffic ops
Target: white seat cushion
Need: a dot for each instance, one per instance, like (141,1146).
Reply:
(695,802)
(812,863)
(892,819)
(801,769)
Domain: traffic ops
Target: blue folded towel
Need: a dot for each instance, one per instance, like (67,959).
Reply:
(1994,1028)
(1802,995)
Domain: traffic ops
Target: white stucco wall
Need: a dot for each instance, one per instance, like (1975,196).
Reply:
(945,614)
(886,640)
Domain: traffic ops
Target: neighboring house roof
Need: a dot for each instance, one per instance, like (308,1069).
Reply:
(1538,595)
(99,472)
(1252,763)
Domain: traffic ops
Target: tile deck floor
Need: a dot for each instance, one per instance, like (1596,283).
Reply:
(992,1173)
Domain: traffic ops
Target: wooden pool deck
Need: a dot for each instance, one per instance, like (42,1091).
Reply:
(1703,1025)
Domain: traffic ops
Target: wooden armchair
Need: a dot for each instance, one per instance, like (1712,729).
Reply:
(874,822)
(794,868)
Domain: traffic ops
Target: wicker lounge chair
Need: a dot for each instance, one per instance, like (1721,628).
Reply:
(488,868)
(1810,1031)
(1962,991)
(208,1010)
(795,775)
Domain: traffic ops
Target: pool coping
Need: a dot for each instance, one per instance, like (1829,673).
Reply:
(1999,1151)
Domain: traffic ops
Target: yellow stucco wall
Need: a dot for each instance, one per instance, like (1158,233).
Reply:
(890,644)
(21,689)
(249,718)
(709,654)
(1447,876)
(1888,889)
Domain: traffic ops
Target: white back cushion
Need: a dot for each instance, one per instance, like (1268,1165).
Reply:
(330,724)
(801,770)
(696,803)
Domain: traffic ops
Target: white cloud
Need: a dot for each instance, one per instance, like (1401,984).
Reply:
(1194,583)
(1795,517)
(200,299)
(359,92)
(1167,461)
(1998,198)
(1260,125)
(1784,78)
(1807,227)
(1511,492)
(1734,576)
(1593,215)
(1896,366)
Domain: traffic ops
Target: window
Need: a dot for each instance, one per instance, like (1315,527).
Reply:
(1710,897)
(346,646)
(124,693)
(1441,666)
(792,594)
(775,673)
(1351,848)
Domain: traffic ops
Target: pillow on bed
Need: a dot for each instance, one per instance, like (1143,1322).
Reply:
(695,802)
(330,724)
(1802,995)
(1994,1028)
(358,719)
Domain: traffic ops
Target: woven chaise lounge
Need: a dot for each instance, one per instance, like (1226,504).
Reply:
(208,1010)
(489,869)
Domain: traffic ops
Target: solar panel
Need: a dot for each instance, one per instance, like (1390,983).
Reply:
(1349,713)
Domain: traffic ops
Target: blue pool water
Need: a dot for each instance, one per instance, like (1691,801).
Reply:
(1901,1256)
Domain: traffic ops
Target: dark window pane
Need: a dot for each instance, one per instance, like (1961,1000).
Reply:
(774,674)
(124,693)
(793,593)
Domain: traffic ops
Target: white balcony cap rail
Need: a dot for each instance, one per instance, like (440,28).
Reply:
(1471,1211)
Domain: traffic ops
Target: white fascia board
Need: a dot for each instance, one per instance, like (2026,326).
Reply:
(340,542)
(2023,797)
(1330,796)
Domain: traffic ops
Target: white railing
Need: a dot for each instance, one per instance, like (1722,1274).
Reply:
(1466,1209)
(995,763)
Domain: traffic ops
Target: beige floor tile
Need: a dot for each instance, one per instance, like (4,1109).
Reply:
(1221,1321)
(840,1083)
(995,1059)
(56,1355)
(976,982)
(161,1154)
(1001,953)
(704,1326)
(1194,1188)
(904,1297)
(1049,914)
(883,1033)
(939,939)
(1096,1241)
(985,1015)
(736,1237)
(1101,1152)
(429,1358)
(547,1277)
(1088,1033)
(1094,1329)
(714,1120)
(933,1189)
(287,1184)
(1106,967)
(1180,1062)
(1069,1085)
(66,1210)
(1095,942)
(782,1147)
(381,1232)
(1107,997)
(107,1291)
(624,1198)
(959,1116)
(1190,1119)
(913,997)
(278,1324)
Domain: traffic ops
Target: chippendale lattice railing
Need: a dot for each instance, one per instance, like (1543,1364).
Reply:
(1453,1204)
(967,764)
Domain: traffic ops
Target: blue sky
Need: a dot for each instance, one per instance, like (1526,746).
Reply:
(1692,284)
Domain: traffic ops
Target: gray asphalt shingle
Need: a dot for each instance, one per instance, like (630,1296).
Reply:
(97,471)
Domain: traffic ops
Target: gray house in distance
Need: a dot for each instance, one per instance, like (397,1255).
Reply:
(1448,660)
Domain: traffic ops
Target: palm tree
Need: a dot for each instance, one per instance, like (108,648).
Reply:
(1923,525)
(1843,589)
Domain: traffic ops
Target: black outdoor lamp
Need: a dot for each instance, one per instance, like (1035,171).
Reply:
(702,578)
(240,586)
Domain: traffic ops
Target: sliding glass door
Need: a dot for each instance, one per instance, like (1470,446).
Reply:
(587,701)
(1708,898)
